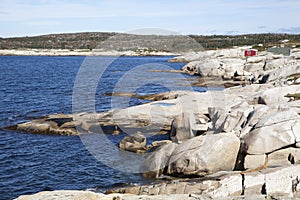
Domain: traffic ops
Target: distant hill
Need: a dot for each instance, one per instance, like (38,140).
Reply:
(122,42)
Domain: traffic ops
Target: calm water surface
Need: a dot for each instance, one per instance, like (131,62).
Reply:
(32,87)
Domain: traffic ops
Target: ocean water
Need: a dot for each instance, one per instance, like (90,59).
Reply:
(31,87)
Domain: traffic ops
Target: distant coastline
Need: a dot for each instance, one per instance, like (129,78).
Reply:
(79,52)
(120,44)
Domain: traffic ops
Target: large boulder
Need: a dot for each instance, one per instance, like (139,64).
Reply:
(204,155)
(269,138)
(134,143)
(273,129)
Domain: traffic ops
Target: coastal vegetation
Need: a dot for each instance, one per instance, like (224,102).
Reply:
(90,40)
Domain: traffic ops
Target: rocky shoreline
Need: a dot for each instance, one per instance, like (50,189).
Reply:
(239,143)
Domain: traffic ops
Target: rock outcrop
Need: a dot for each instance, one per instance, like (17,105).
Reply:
(232,66)
(242,140)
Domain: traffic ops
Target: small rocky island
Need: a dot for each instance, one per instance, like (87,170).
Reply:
(242,142)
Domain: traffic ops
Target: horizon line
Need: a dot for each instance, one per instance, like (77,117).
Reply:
(133,33)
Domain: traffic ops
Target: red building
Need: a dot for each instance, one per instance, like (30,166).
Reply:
(250,52)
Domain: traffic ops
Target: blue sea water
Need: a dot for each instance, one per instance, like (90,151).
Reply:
(31,87)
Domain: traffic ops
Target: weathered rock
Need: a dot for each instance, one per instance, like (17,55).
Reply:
(277,117)
(268,139)
(217,116)
(282,180)
(227,186)
(231,120)
(286,156)
(275,64)
(35,127)
(88,195)
(254,183)
(204,68)
(234,120)
(254,67)
(155,162)
(296,130)
(160,143)
(259,112)
(64,195)
(133,143)
(256,59)
(181,128)
(72,124)
(282,75)
(204,155)
(211,54)
(254,161)
(278,95)
(43,126)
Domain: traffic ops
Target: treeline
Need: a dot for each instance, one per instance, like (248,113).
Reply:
(114,41)
(267,40)
(56,41)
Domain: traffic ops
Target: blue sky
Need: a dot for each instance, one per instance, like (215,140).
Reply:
(35,17)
